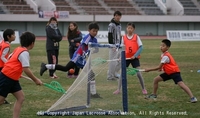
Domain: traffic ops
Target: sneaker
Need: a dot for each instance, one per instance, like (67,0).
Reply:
(116,92)
(152,96)
(6,102)
(95,95)
(42,68)
(69,76)
(117,75)
(144,91)
(193,100)
(54,77)
(112,79)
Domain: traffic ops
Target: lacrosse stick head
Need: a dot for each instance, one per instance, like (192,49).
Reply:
(98,61)
(55,86)
(132,71)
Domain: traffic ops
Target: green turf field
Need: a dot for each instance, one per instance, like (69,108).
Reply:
(171,99)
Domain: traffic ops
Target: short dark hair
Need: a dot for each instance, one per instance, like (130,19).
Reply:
(93,25)
(27,38)
(167,42)
(131,24)
(8,32)
(117,13)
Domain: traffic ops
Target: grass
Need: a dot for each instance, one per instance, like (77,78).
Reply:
(170,97)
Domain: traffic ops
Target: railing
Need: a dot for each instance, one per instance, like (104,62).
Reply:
(94,10)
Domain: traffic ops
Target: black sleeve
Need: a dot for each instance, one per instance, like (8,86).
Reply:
(110,38)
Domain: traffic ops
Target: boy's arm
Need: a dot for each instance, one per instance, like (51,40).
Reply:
(28,72)
(4,53)
(159,67)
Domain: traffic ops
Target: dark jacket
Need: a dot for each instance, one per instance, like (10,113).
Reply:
(53,38)
(77,39)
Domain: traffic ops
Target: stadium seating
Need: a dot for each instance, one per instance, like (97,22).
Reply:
(122,5)
(62,5)
(189,7)
(16,7)
(99,7)
(91,7)
(149,7)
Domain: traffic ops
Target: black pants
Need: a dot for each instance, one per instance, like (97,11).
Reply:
(66,68)
(50,54)
(71,52)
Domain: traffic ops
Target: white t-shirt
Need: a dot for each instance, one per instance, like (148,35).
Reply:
(4,53)
(165,59)
(24,58)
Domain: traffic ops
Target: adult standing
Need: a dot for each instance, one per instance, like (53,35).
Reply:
(114,37)
(74,37)
(52,43)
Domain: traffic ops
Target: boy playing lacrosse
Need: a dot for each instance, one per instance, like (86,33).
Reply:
(77,59)
(9,36)
(171,71)
(12,71)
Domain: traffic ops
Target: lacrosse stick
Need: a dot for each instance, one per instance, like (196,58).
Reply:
(100,60)
(133,71)
(54,85)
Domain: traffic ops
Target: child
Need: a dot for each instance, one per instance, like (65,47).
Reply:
(12,70)
(9,36)
(134,47)
(171,71)
(52,43)
(81,51)
(74,37)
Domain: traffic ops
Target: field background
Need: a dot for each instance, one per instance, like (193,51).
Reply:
(170,96)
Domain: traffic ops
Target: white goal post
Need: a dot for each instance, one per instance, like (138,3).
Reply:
(78,99)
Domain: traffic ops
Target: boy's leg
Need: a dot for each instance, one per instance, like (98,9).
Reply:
(19,95)
(76,71)
(155,87)
(66,68)
(178,80)
(185,88)
(155,84)
(71,52)
(44,67)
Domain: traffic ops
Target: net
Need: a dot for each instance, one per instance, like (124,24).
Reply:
(91,92)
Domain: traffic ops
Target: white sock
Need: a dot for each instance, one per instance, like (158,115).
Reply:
(50,66)
(93,87)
